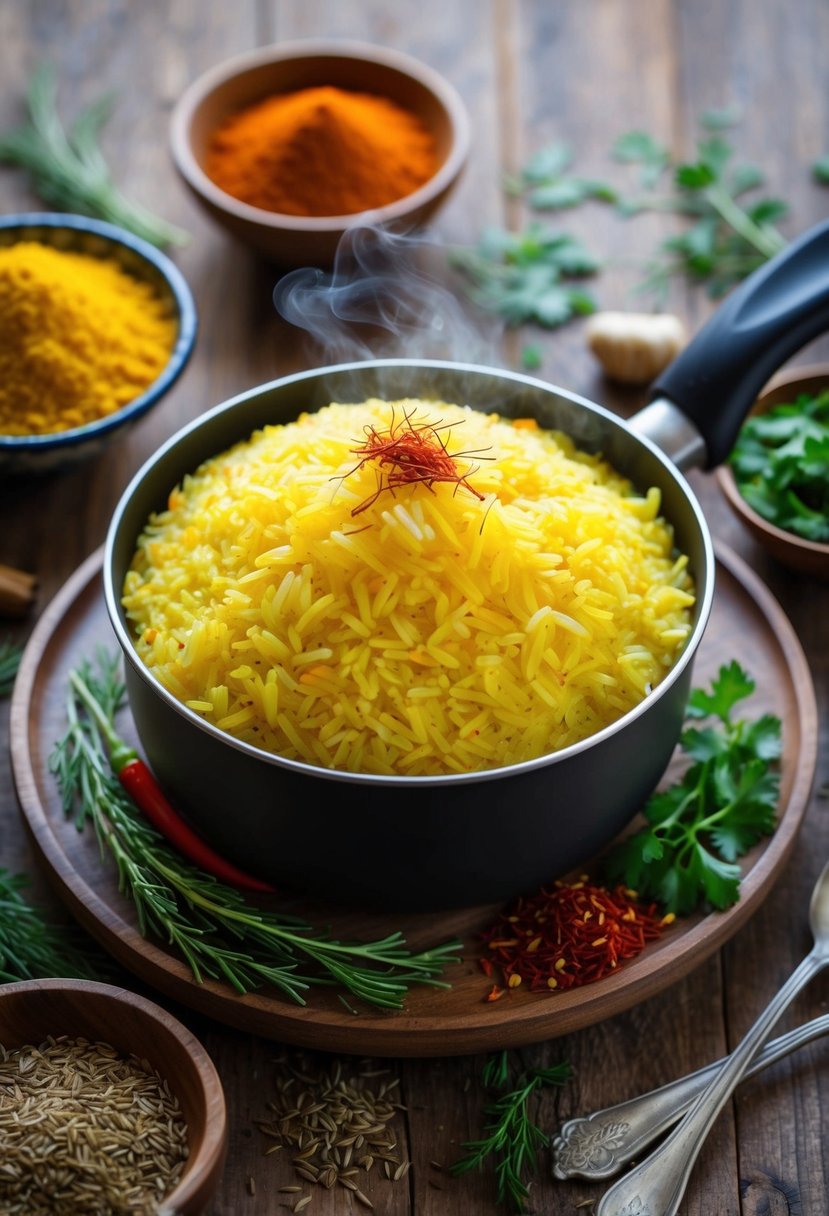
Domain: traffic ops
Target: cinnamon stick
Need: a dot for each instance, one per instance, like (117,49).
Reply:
(17,591)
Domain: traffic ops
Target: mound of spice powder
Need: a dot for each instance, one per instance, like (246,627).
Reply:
(79,338)
(321,151)
(567,935)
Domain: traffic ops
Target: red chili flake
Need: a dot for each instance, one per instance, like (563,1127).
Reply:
(549,941)
(409,452)
(495,993)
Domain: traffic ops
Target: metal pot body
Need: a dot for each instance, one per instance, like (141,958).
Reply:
(424,843)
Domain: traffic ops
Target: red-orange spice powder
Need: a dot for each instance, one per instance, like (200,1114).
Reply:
(566,935)
(321,151)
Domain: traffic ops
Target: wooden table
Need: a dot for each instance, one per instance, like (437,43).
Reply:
(530,73)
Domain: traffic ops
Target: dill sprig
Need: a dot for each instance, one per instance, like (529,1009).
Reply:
(67,168)
(511,1135)
(33,949)
(10,656)
(217,931)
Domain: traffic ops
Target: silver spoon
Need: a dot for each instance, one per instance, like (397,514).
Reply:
(655,1187)
(599,1144)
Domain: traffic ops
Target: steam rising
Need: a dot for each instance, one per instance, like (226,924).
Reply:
(389,295)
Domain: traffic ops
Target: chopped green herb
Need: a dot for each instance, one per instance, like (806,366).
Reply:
(781,465)
(511,1135)
(528,276)
(68,170)
(725,802)
(10,656)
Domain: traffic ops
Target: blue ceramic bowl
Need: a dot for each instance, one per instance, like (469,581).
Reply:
(79,234)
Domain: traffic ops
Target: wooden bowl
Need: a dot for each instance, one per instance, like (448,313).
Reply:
(804,556)
(296,240)
(27,454)
(34,1009)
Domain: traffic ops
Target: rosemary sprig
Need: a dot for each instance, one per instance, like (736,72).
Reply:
(31,948)
(68,170)
(10,656)
(511,1136)
(217,931)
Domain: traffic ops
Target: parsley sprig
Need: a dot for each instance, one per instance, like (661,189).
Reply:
(212,926)
(781,465)
(545,184)
(511,1136)
(729,234)
(534,275)
(725,802)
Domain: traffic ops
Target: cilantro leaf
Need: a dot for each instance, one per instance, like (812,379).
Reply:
(528,276)
(727,238)
(725,801)
(820,170)
(781,465)
(549,187)
(729,687)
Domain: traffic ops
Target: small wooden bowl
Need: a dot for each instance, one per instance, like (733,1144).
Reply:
(803,556)
(32,1010)
(298,240)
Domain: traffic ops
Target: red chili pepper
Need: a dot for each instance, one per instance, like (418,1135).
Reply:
(140,783)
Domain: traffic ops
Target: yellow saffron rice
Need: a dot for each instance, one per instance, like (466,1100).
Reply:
(429,633)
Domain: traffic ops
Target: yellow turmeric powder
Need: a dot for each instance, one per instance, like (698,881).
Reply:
(321,151)
(79,338)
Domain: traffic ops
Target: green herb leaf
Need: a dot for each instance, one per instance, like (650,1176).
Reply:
(68,170)
(511,1136)
(527,276)
(726,800)
(781,465)
(31,948)
(211,925)
(820,170)
(548,188)
(726,239)
(637,147)
(715,120)
(10,656)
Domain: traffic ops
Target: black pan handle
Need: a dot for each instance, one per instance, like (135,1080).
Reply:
(776,310)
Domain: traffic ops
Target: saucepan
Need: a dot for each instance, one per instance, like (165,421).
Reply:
(430,843)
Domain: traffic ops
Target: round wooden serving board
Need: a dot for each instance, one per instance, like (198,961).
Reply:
(747,624)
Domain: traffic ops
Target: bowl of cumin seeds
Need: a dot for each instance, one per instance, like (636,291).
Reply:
(108,1105)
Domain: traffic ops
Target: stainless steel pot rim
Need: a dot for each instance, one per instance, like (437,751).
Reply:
(112,598)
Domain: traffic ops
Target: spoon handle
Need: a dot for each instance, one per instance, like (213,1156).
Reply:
(599,1144)
(655,1187)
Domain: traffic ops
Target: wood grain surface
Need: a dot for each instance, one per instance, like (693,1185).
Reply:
(530,72)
